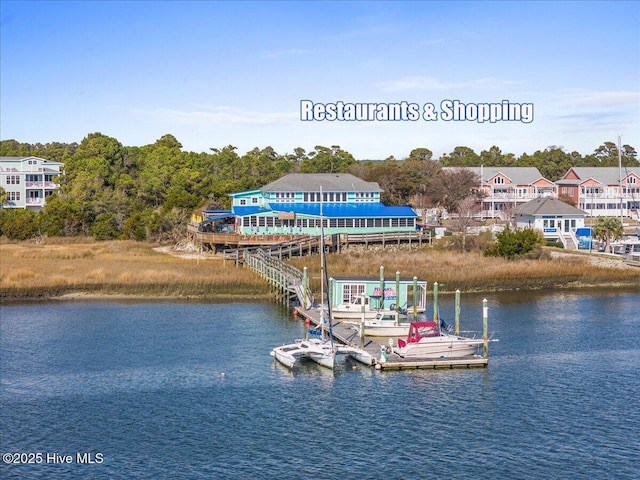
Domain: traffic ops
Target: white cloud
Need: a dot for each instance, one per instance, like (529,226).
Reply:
(432,83)
(220,115)
(585,98)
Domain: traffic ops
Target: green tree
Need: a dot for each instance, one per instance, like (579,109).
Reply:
(18,223)
(104,227)
(327,160)
(608,229)
(420,154)
(461,157)
(512,244)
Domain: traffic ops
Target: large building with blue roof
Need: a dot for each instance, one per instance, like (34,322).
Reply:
(293,205)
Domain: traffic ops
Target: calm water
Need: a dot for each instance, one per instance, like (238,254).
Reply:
(138,389)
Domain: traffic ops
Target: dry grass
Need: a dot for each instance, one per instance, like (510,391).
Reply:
(132,268)
(474,272)
(119,267)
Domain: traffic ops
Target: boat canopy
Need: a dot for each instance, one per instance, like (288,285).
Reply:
(418,330)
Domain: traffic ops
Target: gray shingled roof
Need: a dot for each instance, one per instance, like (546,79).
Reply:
(604,175)
(330,182)
(547,206)
(518,175)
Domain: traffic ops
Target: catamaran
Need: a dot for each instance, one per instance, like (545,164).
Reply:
(321,350)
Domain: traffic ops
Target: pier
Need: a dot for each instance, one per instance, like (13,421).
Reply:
(349,334)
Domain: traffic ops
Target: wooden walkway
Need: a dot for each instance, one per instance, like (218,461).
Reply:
(233,245)
(349,334)
(287,282)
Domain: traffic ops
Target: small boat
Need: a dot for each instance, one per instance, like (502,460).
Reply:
(359,306)
(384,324)
(427,340)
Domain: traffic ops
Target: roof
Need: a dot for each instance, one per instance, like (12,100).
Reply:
(22,159)
(345,210)
(604,175)
(331,210)
(312,182)
(547,206)
(517,175)
(388,280)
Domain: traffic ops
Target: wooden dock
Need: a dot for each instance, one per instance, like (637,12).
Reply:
(395,362)
(349,334)
(345,333)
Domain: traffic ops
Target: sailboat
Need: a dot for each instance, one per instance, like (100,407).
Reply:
(321,350)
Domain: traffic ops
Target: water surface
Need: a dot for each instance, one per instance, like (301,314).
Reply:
(188,390)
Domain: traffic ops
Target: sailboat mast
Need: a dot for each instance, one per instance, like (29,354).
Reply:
(620,181)
(323,272)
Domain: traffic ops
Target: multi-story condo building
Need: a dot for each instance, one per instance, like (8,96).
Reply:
(505,188)
(28,181)
(603,191)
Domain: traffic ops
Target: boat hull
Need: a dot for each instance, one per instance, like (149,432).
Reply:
(440,347)
(386,331)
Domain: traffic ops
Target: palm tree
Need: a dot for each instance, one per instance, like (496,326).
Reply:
(607,229)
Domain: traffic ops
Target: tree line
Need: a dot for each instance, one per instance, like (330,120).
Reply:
(109,190)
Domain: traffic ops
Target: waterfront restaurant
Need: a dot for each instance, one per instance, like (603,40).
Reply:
(295,204)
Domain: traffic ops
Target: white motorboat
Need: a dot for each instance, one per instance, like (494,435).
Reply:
(384,324)
(360,306)
(427,340)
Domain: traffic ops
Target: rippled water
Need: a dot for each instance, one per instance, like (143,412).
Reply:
(143,385)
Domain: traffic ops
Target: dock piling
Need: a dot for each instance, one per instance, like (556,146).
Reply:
(485,329)
(457,313)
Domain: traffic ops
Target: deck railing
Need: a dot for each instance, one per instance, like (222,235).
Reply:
(286,280)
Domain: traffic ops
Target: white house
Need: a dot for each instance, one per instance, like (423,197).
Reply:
(557,220)
(28,181)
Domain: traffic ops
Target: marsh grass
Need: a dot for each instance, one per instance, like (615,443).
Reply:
(472,272)
(119,267)
(135,268)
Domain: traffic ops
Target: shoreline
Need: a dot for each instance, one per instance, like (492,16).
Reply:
(134,271)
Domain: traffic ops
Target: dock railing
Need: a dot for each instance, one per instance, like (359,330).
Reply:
(287,281)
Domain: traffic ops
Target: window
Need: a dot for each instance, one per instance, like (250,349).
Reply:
(254,199)
(13,180)
(498,180)
(243,201)
(351,290)
(14,196)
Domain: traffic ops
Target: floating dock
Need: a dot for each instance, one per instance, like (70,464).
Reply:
(349,334)
(395,362)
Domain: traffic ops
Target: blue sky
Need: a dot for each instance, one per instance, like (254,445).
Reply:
(220,73)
